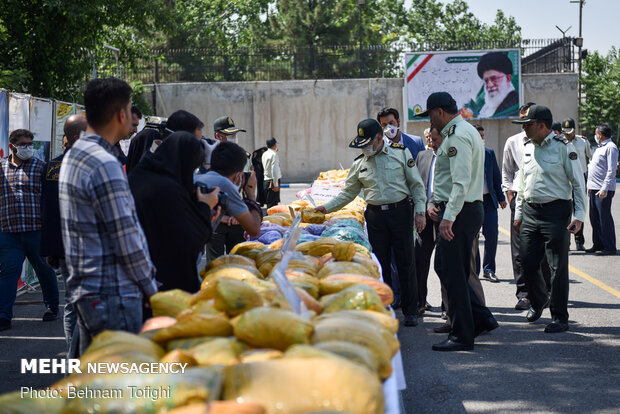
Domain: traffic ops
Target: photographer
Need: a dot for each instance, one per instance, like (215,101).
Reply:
(175,217)
(227,163)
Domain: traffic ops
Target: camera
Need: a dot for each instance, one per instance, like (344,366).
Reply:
(158,124)
(222,197)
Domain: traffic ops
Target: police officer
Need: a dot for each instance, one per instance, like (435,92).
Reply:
(457,187)
(388,177)
(550,173)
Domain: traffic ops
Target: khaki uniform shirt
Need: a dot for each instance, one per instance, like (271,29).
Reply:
(584,151)
(459,172)
(551,171)
(385,178)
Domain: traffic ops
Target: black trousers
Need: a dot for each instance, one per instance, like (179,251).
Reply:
(272,198)
(515,248)
(544,233)
(468,316)
(603,227)
(223,240)
(579,238)
(424,247)
(393,229)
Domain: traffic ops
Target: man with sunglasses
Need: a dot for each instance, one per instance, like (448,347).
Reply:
(21,181)
(550,175)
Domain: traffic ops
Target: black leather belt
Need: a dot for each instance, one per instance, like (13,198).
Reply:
(387,207)
(547,205)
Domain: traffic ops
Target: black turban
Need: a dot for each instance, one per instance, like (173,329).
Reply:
(494,61)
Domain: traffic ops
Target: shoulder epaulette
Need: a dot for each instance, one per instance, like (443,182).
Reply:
(561,139)
(399,146)
(248,154)
(358,157)
(451,130)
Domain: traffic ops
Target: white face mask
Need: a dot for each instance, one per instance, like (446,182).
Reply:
(24,152)
(390,131)
(369,150)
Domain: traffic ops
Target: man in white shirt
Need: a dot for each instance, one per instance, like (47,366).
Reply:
(584,154)
(601,189)
(272,174)
(513,154)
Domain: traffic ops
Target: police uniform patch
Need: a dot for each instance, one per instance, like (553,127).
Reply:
(410,162)
(572,155)
(53,171)
(399,146)
(450,132)
(360,132)
(451,152)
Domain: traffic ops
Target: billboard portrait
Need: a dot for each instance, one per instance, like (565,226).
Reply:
(484,83)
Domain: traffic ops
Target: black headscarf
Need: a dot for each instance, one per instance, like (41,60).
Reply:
(176,225)
(140,145)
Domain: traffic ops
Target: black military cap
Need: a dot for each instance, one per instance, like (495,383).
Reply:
(437,100)
(568,126)
(367,130)
(494,61)
(226,125)
(535,113)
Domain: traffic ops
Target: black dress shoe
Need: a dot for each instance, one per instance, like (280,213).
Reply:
(428,307)
(606,253)
(556,327)
(445,328)
(50,314)
(411,320)
(396,304)
(491,277)
(523,304)
(581,247)
(444,315)
(450,345)
(593,250)
(488,327)
(534,314)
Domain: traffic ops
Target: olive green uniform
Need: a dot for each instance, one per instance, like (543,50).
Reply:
(549,175)
(458,184)
(387,181)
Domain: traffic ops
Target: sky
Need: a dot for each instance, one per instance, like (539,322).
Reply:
(538,18)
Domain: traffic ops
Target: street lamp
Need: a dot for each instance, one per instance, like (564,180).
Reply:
(361,4)
(579,41)
(116,52)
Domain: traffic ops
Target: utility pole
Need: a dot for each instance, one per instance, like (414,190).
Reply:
(579,40)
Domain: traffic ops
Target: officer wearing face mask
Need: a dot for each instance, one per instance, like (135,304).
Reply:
(389,180)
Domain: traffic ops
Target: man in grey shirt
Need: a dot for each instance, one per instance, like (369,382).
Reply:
(601,188)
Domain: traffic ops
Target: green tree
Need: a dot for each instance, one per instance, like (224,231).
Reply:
(432,21)
(47,46)
(601,85)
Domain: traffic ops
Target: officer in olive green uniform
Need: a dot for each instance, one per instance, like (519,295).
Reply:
(458,184)
(550,171)
(388,177)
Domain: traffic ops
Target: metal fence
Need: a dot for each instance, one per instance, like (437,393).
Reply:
(319,62)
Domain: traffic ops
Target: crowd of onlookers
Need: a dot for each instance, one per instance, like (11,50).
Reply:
(121,227)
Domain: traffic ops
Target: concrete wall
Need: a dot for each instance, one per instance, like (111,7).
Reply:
(314,121)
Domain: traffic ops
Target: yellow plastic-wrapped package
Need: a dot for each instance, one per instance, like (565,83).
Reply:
(331,268)
(235,297)
(272,328)
(387,321)
(340,281)
(355,297)
(229,259)
(301,385)
(219,351)
(192,325)
(170,302)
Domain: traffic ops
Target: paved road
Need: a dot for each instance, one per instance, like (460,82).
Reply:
(515,369)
